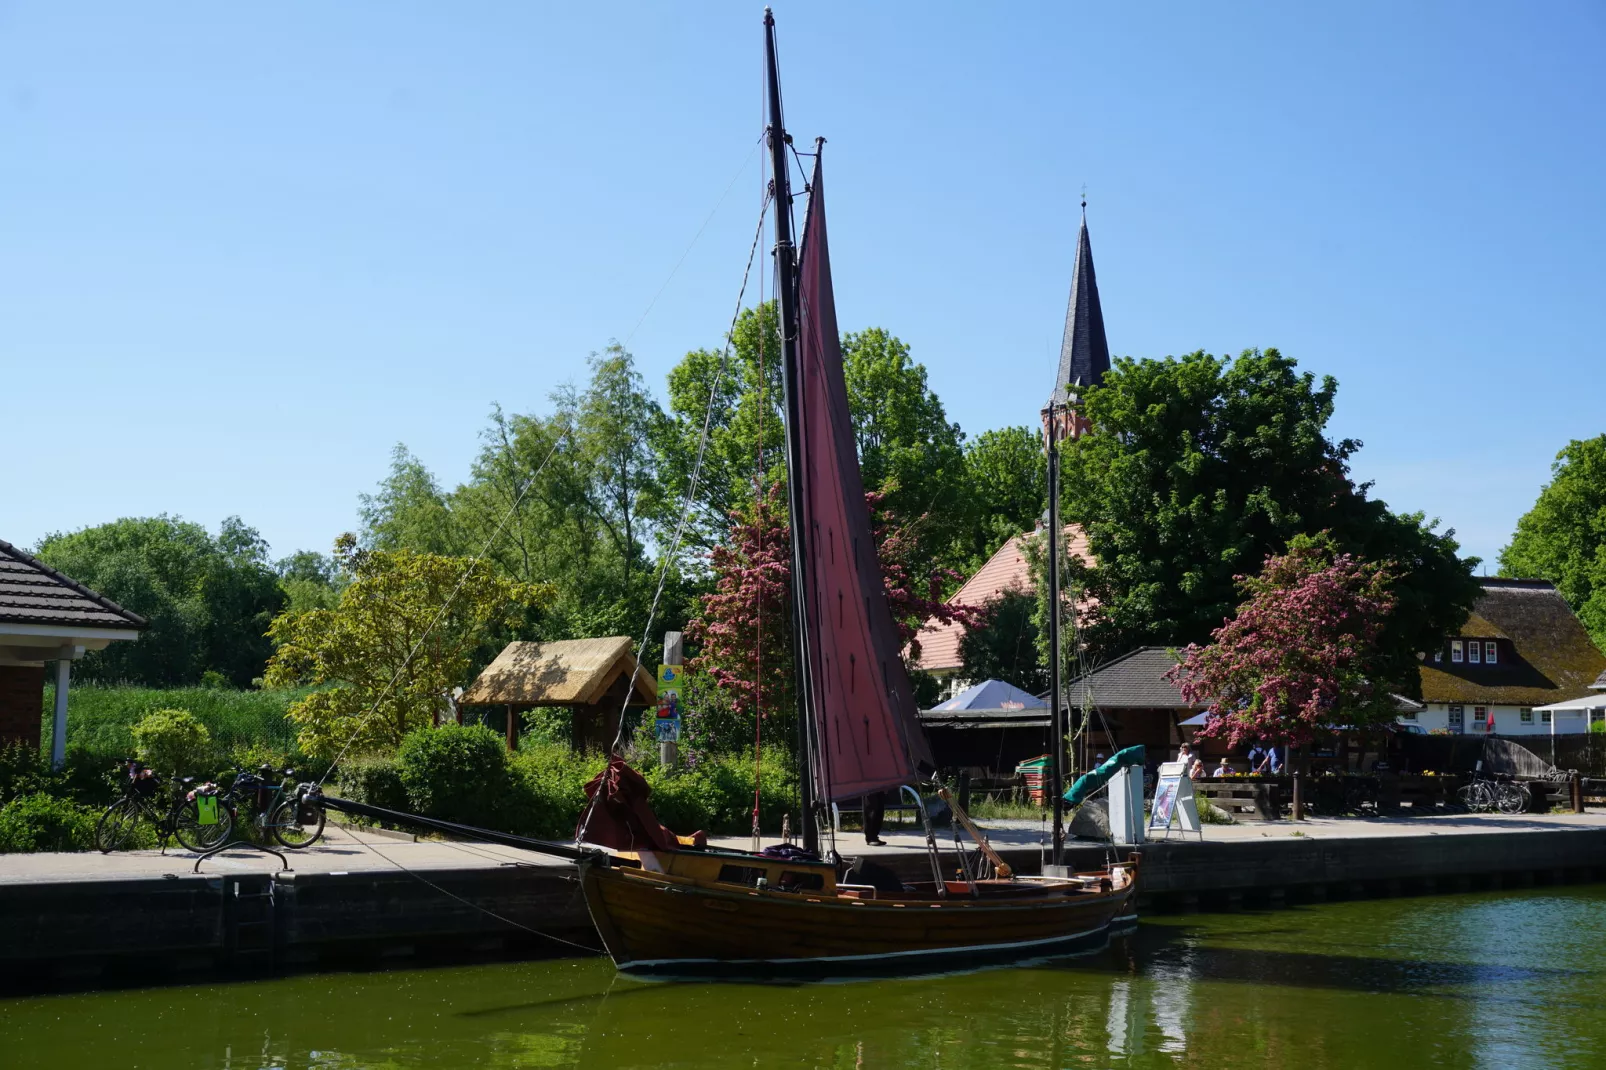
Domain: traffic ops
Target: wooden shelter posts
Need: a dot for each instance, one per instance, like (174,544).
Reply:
(590,676)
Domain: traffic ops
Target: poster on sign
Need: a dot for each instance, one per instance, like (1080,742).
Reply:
(1174,801)
(666,728)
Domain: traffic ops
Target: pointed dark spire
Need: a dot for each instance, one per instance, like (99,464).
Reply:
(1084,351)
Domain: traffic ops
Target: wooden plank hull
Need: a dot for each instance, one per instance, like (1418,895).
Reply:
(656,923)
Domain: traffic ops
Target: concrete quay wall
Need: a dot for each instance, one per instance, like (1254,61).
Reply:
(78,933)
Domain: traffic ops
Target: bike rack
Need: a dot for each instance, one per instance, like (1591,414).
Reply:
(284,863)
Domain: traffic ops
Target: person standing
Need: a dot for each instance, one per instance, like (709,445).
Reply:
(874,806)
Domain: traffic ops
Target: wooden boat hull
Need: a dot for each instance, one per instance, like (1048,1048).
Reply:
(659,924)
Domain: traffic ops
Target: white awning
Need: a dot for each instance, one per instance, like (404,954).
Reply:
(1573,705)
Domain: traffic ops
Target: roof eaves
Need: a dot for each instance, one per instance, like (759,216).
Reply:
(94,596)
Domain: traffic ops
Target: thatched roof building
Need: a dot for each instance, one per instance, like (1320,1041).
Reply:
(591,676)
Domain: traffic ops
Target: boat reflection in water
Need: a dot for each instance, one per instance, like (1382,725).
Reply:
(1502,979)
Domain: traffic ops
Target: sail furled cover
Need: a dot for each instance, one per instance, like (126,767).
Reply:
(1084,351)
(867,734)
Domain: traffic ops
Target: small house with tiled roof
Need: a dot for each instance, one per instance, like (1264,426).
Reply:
(1007,570)
(1522,647)
(47,617)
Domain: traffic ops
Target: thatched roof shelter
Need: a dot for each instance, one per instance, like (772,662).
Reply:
(590,675)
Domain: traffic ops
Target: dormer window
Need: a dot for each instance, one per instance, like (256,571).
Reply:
(1489,655)
(1475,652)
(1455,651)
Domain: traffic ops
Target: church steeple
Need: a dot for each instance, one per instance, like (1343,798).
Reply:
(1084,351)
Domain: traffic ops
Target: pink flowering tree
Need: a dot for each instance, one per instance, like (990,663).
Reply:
(743,669)
(1301,652)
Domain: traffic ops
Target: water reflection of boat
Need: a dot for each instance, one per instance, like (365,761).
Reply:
(661,906)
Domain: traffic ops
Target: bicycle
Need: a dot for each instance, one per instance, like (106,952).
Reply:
(184,819)
(276,809)
(1487,794)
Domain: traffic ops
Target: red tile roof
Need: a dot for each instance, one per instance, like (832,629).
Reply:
(1006,570)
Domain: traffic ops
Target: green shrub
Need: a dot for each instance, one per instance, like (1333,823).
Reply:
(173,742)
(41,822)
(454,772)
(547,789)
(375,781)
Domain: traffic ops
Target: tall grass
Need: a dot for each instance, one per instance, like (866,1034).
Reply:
(99,717)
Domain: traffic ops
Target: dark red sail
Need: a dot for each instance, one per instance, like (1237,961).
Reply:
(867,734)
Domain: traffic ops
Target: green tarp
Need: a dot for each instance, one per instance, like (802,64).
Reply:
(1094,779)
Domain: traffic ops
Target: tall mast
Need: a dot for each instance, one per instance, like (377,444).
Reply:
(1056,773)
(786,298)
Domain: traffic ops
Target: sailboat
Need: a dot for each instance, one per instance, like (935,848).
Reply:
(666,905)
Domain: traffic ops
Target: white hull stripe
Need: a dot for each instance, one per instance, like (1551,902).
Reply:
(960,950)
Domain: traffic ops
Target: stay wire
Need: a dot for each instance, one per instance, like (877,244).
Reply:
(447,604)
(475,906)
(693,244)
(686,503)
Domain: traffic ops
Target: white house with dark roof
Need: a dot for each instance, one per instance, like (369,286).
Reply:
(47,617)
(1521,648)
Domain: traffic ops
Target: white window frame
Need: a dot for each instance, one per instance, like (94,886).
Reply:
(1526,715)
(1407,715)
(1455,651)
(1438,657)
(1490,653)
(1545,716)
(1596,717)
(1483,718)
(1475,652)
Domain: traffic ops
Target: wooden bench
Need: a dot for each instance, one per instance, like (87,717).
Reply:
(1259,799)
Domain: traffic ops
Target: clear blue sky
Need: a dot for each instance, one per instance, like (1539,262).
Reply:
(246,249)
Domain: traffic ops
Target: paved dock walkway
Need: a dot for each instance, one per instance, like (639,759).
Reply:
(352,850)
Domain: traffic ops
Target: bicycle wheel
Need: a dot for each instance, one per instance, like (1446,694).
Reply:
(115,829)
(1512,798)
(289,830)
(195,836)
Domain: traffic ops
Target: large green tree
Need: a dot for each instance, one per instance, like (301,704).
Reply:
(909,452)
(1563,537)
(1003,645)
(1198,468)
(209,599)
(573,498)
(404,632)
(1006,487)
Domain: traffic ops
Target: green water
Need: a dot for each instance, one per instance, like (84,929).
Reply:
(1499,980)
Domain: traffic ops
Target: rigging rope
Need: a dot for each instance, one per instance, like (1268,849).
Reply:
(472,565)
(758,592)
(470,903)
(675,270)
(685,507)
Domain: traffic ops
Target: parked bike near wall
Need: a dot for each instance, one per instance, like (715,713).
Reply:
(1485,794)
(194,825)
(274,807)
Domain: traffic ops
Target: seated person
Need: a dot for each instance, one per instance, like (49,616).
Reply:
(1196,769)
(1223,769)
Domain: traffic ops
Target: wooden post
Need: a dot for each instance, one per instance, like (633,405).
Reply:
(673,652)
(512,729)
(1299,783)
(1575,784)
